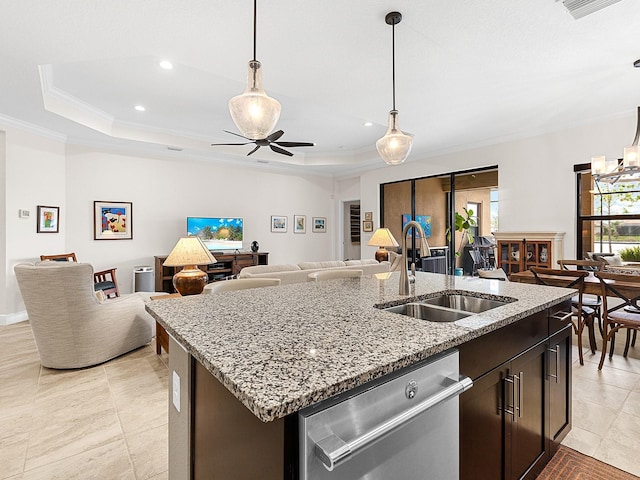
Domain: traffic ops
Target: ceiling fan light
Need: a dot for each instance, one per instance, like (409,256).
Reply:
(396,145)
(254,112)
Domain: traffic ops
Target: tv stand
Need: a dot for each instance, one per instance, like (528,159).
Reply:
(228,264)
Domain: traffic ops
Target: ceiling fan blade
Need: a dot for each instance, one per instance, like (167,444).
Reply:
(253,151)
(275,136)
(238,135)
(220,144)
(295,144)
(280,150)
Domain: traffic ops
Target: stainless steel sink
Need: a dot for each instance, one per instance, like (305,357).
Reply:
(447,307)
(466,303)
(432,313)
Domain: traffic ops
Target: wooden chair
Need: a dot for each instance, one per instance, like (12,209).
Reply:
(583,315)
(623,314)
(590,301)
(104,280)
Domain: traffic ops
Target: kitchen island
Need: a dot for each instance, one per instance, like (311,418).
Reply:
(280,349)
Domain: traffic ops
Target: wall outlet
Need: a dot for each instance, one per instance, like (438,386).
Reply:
(23,213)
(176,391)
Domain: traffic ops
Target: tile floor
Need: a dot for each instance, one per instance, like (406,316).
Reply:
(110,421)
(104,422)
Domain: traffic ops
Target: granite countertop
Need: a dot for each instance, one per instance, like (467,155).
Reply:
(280,349)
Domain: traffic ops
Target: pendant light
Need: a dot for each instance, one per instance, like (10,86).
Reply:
(395,146)
(254,112)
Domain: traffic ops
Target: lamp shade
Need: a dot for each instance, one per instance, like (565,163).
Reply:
(383,238)
(598,165)
(396,145)
(189,251)
(631,158)
(254,112)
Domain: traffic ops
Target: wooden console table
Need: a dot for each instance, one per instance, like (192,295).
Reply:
(227,265)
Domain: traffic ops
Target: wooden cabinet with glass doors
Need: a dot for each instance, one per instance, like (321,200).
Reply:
(519,251)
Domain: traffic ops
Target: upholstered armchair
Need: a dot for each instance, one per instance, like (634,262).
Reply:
(71,326)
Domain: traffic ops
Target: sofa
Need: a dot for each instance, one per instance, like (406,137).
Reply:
(297,273)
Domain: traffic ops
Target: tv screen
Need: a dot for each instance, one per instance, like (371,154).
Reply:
(217,233)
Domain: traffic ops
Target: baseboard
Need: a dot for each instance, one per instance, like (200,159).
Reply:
(13,318)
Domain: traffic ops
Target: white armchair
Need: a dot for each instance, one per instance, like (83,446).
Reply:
(71,326)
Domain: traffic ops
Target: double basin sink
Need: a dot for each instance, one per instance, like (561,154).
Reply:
(447,307)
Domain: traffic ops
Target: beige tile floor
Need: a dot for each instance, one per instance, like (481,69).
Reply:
(104,422)
(110,421)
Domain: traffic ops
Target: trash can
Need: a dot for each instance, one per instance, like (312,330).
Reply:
(143,279)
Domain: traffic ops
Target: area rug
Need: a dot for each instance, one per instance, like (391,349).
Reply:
(567,464)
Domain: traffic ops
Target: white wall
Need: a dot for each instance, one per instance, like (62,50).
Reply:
(537,185)
(35,175)
(165,191)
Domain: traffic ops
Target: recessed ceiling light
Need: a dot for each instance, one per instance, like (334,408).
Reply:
(368,124)
(139,108)
(166,64)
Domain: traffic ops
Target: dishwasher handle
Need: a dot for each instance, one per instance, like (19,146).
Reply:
(332,450)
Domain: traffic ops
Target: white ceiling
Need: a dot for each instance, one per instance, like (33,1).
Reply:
(468,72)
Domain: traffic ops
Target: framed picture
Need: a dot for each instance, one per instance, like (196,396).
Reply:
(48,219)
(112,220)
(299,224)
(367,226)
(423,220)
(278,223)
(368,216)
(319,224)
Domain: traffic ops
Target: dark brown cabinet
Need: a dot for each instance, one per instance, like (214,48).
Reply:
(518,410)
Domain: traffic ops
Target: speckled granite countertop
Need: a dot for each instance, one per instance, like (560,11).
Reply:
(279,349)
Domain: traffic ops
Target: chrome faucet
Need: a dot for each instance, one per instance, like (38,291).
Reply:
(425,251)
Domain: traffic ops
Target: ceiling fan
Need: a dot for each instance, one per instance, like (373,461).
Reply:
(270,141)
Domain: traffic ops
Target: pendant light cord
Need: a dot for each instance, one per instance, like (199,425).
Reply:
(255,21)
(635,140)
(393,63)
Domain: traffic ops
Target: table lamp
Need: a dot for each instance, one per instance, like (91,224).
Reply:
(382,238)
(189,252)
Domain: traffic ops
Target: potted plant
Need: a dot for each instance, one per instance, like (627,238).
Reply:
(463,224)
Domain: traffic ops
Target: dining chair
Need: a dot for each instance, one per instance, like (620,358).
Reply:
(584,316)
(240,284)
(623,313)
(330,274)
(104,280)
(591,301)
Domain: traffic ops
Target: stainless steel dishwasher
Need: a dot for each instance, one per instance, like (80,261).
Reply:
(404,426)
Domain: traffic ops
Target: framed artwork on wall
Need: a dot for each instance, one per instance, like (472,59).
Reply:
(299,224)
(319,224)
(112,220)
(368,215)
(423,220)
(367,226)
(48,219)
(278,223)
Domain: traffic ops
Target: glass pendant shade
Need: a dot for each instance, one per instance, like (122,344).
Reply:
(254,112)
(598,165)
(396,145)
(631,158)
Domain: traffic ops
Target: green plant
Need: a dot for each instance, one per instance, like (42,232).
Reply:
(463,224)
(630,254)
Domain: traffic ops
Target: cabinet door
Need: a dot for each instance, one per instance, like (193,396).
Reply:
(527,432)
(509,256)
(482,428)
(537,254)
(559,378)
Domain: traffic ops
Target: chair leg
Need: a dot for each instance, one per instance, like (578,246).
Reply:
(580,328)
(626,345)
(592,335)
(633,342)
(605,340)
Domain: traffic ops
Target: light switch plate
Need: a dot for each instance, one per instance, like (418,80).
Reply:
(176,391)
(23,213)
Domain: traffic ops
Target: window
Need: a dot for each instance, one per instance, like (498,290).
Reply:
(475,208)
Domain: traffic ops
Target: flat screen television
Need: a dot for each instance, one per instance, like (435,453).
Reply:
(217,233)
